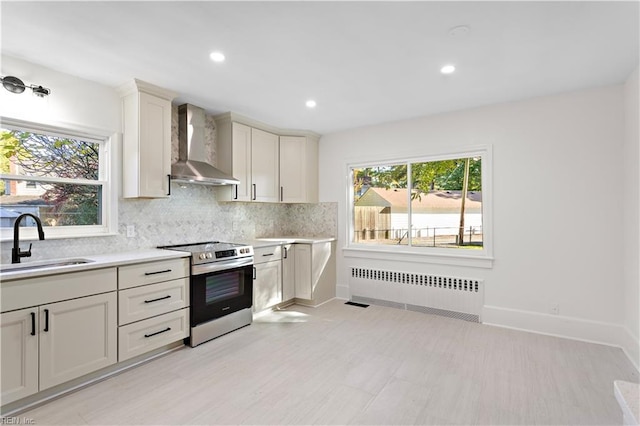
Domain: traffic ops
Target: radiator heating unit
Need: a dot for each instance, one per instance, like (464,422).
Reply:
(455,297)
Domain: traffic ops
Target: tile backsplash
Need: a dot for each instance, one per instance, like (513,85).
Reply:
(192,214)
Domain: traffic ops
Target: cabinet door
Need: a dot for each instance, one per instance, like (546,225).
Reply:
(154,146)
(288,272)
(303,271)
(293,170)
(241,161)
(77,337)
(265,166)
(267,285)
(19,354)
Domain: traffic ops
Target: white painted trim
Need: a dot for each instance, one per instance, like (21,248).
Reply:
(109,180)
(343,292)
(134,86)
(590,331)
(403,254)
(233,117)
(631,347)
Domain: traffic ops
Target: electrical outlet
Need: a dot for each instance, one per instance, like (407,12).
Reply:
(555,309)
(131,231)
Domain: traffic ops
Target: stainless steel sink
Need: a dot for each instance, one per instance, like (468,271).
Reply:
(21,267)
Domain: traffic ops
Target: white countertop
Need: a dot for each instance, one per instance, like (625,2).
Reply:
(96,262)
(125,258)
(271,241)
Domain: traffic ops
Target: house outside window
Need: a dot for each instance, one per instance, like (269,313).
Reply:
(428,205)
(61,176)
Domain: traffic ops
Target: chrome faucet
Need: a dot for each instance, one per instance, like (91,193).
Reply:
(16,253)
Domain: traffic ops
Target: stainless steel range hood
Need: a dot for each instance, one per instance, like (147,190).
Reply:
(192,166)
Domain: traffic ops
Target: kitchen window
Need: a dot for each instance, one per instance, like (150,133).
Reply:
(424,206)
(60,175)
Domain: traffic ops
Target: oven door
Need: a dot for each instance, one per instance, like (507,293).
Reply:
(220,288)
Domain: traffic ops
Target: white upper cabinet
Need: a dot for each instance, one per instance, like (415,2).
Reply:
(146,146)
(264,166)
(298,169)
(241,159)
(270,167)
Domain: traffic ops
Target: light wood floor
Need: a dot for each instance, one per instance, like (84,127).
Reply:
(340,364)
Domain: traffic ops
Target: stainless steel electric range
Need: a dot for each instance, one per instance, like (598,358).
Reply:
(221,288)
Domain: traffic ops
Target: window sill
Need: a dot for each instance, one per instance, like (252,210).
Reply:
(29,234)
(403,254)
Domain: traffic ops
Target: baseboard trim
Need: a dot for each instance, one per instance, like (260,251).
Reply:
(566,327)
(631,347)
(343,292)
(304,302)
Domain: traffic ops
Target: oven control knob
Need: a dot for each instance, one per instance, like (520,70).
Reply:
(209,255)
(202,256)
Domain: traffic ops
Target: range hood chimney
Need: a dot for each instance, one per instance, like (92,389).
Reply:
(192,166)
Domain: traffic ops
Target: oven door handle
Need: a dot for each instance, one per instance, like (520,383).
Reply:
(221,266)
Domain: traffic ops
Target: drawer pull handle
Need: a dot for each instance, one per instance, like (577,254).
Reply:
(159,298)
(158,272)
(158,332)
(33,323)
(268,254)
(46,320)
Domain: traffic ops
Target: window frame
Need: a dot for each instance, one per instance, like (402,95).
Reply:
(482,258)
(108,143)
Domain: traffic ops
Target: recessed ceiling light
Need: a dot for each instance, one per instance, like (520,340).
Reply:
(447,69)
(461,31)
(311,103)
(217,56)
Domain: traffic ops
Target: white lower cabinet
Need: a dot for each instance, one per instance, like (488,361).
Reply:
(267,278)
(303,286)
(143,336)
(315,272)
(288,272)
(61,327)
(19,354)
(51,344)
(77,337)
(138,303)
(153,306)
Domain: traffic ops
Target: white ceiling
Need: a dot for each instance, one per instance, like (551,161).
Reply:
(363,62)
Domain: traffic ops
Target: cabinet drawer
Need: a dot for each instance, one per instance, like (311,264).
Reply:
(267,254)
(152,272)
(146,301)
(146,335)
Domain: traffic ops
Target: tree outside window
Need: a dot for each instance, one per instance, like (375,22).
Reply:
(55,177)
(419,203)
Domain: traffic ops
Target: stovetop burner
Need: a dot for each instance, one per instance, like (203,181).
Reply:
(212,251)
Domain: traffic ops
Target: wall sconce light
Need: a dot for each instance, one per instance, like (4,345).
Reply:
(15,85)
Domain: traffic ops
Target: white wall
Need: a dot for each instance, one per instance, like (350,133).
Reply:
(557,198)
(631,218)
(72,102)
